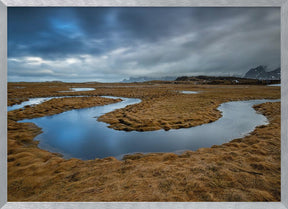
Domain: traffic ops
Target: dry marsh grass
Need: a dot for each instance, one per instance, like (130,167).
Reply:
(174,111)
(246,169)
(58,105)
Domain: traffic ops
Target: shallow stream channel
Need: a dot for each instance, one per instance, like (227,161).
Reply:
(78,133)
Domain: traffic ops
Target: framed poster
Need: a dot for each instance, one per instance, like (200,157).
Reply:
(143,104)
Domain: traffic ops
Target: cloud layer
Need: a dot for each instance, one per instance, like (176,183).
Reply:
(110,44)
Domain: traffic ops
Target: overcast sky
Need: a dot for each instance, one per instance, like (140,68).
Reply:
(110,44)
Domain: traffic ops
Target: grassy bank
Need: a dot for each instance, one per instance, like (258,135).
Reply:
(246,169)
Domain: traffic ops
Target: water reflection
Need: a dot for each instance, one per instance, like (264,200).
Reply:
(78,134)
(35,101)
(79,89)
(279,84)
(32,101)
(189,92)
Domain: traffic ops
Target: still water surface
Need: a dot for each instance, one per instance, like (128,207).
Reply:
(79,89)
(189,92)
(78,134)
(32,101)
(35,101)
(279,84)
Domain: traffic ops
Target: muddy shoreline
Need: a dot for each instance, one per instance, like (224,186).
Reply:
(246,169)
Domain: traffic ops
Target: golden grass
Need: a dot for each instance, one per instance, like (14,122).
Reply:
(174,111)
(246,169)
(58,105)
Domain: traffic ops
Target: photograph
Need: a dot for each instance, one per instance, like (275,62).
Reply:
(144,104)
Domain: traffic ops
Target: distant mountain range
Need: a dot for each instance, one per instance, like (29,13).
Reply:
(144,78)
(258,73)
(261,73)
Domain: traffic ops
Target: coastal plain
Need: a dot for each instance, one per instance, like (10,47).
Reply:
(245,169)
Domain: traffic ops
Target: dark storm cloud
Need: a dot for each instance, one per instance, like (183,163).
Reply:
(109,44)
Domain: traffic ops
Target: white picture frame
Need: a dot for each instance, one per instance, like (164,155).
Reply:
(283,4)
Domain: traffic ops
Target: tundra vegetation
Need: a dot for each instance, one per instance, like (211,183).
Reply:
(244,169)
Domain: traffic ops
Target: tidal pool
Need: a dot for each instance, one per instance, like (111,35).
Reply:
(79,89)
(78,134)
(189,92)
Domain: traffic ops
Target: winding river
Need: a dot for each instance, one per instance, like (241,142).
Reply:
(78,134)
(35,101)
(31,101)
